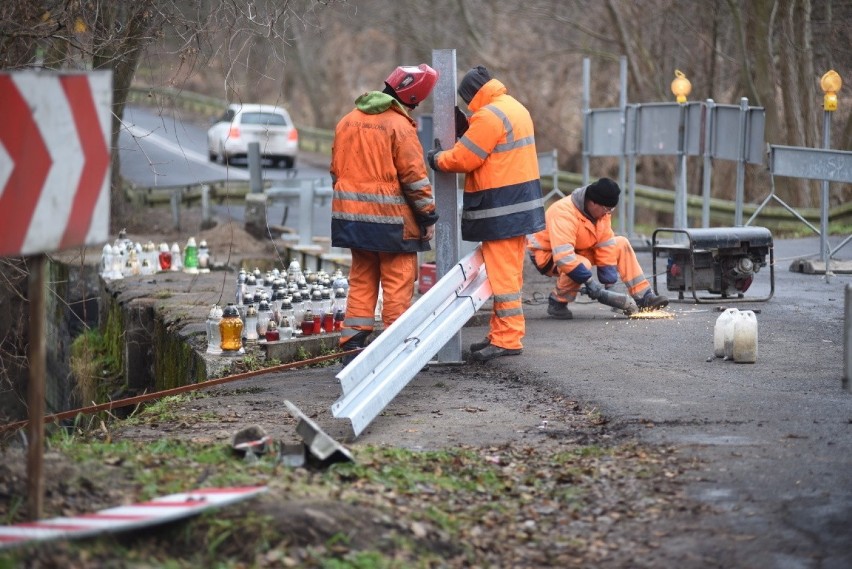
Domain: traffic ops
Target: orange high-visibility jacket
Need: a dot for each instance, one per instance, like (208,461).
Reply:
(382,197)
(502,187)
(571,234)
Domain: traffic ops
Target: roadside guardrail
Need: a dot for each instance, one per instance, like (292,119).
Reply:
(311,139)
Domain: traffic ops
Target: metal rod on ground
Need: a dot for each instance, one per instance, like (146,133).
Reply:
(36,353)
(110,405)
(255,172)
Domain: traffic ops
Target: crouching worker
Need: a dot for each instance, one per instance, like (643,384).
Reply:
(578,237)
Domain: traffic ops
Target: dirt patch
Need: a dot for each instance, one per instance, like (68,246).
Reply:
(540,481)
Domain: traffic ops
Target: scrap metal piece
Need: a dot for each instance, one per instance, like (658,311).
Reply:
(292,456)
(252,439)
(322,449)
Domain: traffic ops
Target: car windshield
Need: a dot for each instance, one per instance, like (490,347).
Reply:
(273,119)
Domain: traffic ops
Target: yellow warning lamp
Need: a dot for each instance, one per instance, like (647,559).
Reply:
(681,87)
(830,84)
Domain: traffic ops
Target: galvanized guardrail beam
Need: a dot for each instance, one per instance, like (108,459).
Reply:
(386,366)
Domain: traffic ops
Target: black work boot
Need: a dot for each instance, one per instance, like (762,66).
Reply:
(353,343)
(491,351)
(476,346)
(652,301)
(558,310)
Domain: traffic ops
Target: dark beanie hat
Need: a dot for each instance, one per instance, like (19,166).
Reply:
(472,82)
(604,192)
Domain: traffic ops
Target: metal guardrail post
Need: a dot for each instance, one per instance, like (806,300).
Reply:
(445,186)
(587,78)
(627,200)
(548,166)
(630,145)
(255,171)
(741,162)
(847,341)
(175,203)
(680,208)
(824,248)
(708,163)
(206,210)
(306,214)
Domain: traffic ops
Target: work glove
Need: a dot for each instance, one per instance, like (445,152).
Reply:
(430,156)
(594,289)
(461,123)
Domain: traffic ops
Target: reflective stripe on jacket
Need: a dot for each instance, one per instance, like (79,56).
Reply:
(572,234)
(382,194)
(502,187)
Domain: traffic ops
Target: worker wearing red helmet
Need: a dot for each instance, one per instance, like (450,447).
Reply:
(502,199)
(382,207)
(578,237)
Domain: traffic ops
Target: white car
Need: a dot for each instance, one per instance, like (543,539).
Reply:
(241,124)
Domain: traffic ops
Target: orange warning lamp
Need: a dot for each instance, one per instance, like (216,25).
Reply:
(681,87)
(830,84)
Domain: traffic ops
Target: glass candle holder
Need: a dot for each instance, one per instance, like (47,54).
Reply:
(231,330)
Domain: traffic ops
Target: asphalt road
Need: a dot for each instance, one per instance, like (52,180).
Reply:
(773,439)
(160,150)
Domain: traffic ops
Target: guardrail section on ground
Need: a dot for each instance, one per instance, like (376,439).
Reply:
(380,372)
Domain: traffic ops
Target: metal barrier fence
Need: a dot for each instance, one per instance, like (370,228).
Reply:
(713,132)
(714,211)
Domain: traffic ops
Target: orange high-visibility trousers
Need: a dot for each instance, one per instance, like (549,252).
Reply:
(628,266)
(395,271)
(504,263)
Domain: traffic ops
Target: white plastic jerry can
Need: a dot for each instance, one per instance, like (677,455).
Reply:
(745,338)
(724,329)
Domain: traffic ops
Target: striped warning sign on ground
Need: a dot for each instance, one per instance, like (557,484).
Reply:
(122,518)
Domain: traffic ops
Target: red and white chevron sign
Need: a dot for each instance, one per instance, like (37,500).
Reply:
(122,518)
(54,160)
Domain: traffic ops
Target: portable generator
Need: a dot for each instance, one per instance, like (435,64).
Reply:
(721,260)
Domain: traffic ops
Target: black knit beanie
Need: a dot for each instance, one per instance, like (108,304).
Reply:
(472,82)
(604,192)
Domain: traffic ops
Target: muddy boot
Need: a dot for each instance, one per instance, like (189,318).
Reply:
(359,340)
(558,310)
(651,301)
(476,346)
(491,352)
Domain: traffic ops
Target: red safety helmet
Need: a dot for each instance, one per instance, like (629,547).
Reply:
(412,84)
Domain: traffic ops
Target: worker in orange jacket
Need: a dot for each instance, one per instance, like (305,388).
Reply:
(502,199)
(578,237)
(382,206)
